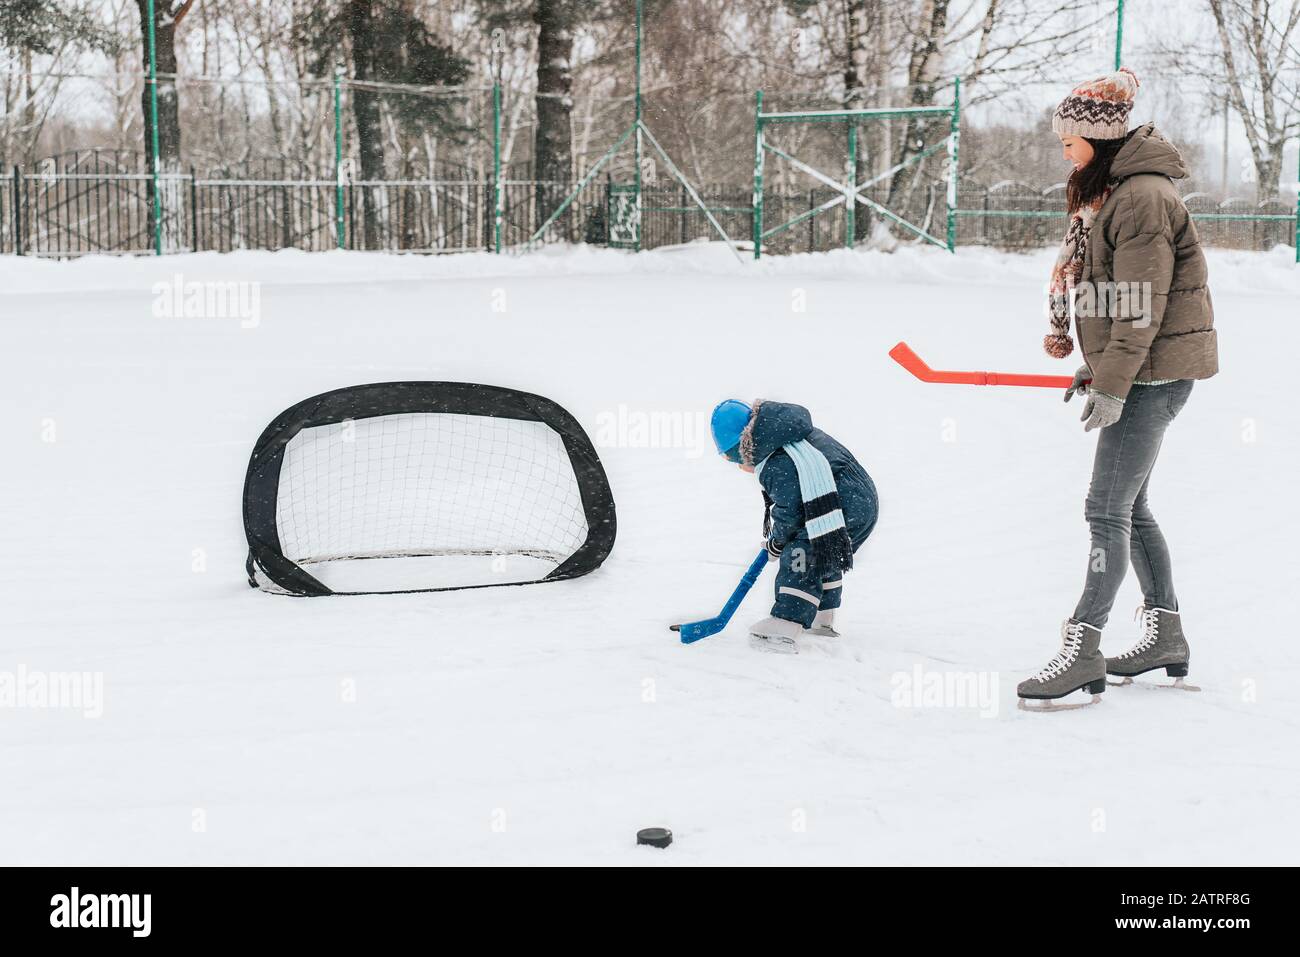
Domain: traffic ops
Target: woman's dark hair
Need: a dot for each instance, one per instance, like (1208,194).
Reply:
(1085,185)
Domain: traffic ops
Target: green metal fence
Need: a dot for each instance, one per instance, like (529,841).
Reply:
(650,168)
(101,201)
(820,177)
(850,191)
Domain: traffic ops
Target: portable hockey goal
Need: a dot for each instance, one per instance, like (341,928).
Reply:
(423,486)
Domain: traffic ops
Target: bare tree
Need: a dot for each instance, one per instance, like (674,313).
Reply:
(553,141)
(396,58)
(124,89)
(925,69)
(1259,65)
(864,68)
(168,15)
(38,38)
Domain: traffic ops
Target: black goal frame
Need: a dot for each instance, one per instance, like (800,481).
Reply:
(261,483)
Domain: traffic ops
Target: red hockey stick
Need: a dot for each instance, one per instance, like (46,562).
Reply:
(909,360)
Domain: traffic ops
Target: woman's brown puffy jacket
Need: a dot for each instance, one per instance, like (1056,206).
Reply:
(1143,234)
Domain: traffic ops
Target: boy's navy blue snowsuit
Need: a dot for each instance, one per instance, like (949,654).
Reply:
(802,591)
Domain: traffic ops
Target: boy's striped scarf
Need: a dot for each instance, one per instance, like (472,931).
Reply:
(1065,275)
(832,549)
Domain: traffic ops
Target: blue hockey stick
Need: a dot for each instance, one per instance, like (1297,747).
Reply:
(695,630)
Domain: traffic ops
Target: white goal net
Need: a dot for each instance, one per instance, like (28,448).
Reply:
(460,499)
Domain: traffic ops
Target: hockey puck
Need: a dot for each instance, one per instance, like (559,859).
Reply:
(670,627)
(654,836)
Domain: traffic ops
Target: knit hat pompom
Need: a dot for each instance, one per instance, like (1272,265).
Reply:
(1098,109)
(1058,345)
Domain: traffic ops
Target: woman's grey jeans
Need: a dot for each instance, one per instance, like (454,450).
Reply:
(1121,522)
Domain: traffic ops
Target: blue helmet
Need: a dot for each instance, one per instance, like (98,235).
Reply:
(729,420)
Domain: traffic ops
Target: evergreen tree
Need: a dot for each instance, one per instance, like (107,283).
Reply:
(385,42)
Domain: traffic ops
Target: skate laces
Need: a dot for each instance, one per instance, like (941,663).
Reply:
(1071,640)
(1150,618)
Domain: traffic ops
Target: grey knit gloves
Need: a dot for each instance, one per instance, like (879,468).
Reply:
(1101,409)
(1082,378)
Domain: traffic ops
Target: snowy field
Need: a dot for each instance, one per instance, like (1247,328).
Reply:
(547,723)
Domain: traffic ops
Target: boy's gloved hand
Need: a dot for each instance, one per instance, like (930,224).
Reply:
(1101,410)
(1082,378)
(773,550)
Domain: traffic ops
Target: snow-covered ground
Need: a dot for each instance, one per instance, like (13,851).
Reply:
(545,724)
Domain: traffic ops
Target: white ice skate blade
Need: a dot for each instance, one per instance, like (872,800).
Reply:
(821,631)
(1178,685)
(775,644)
(1050,705)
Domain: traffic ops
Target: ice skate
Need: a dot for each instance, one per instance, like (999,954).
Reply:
(823,625)
(1078,665)
(775,635)
(1162,645)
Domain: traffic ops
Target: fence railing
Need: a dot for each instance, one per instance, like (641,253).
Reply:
(105,207)
(1018,216)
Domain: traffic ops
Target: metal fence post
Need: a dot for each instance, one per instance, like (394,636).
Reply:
(498,205)
(812,220)
(758,173)
(338,155)
(194,211)
(1119,34)
(683,200)
(850,180)
(954,140)
(286,210)
(638,214)
(984,220)
(153,119)
(18,214)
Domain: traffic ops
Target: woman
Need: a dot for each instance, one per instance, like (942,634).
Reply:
(1132,267)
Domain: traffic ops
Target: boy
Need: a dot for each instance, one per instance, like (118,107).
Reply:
(820,506)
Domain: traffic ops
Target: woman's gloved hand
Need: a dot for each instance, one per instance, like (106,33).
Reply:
(1101,410)
(1082,379)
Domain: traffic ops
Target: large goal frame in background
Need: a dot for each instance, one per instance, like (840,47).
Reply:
(640,132)
(261,497)
(850,192)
